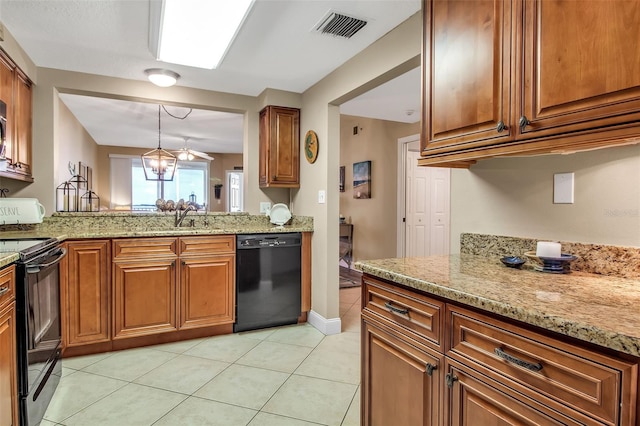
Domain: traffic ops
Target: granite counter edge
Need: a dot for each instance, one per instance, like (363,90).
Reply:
(581,331)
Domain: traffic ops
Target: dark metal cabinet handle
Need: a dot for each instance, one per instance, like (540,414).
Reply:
(517,361)
(392,308)
(501,127)
(4,290)
(523,122)
(430,368)
(274,177)
(450,378)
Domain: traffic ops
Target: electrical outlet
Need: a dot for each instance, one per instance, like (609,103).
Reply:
(563,188)
(265,206)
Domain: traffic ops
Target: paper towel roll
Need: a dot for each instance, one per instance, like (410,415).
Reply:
(548,249)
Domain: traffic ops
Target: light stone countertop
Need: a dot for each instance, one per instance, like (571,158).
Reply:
(71,226)
(599,309)
(8,259)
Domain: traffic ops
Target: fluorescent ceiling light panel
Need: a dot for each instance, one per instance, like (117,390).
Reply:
(196,33)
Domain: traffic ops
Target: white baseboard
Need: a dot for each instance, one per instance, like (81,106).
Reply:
(325,326)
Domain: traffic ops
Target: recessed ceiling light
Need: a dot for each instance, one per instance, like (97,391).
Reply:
(161,77)
(196,33)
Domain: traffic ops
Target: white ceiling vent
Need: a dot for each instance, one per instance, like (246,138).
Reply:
(339,25)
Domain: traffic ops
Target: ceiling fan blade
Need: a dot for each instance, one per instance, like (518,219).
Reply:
(201,154)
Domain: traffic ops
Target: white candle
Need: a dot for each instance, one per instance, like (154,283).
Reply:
(548,249)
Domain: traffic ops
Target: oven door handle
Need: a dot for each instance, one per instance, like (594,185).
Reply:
(34,269)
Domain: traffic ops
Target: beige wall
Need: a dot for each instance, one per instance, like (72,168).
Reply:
(514,197)
(392,55)
(374,219)
(79,147)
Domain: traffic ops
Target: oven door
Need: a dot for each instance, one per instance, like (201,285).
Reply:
(40,332)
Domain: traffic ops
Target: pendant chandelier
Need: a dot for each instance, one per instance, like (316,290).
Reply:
(159,164)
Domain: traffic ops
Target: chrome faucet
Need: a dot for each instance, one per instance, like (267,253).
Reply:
(180,216)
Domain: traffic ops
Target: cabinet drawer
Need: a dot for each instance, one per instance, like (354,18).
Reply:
(7,285)
(144,247)
(412,312)
(207,245)
(545,368)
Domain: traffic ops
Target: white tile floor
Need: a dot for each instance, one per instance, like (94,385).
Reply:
(282,376)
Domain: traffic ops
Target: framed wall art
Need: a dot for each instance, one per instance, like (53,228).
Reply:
(89,179)
(82,172)
(362,179)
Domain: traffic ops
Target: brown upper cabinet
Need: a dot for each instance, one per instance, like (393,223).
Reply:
(16,93)
(279,147)
(513,77)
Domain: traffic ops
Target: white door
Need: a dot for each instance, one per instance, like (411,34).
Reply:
(235,199)
(426,205)
(418,200)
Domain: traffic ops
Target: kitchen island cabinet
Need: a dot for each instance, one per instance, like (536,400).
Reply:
(536,78)
(497,355)
(8,350)
(403,364)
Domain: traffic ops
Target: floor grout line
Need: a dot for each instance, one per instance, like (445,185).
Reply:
(354,302)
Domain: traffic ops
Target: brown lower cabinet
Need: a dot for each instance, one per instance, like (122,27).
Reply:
(403,378)
(8,350)
(475,400)
(144,297)
(86,270)
(207,281)
(128,292)
(430,361)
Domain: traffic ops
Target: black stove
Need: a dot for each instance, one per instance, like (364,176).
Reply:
(38,328)
(27,248)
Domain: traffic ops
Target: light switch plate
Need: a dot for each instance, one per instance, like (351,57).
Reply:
(563,188)
(322,195)
(265,206)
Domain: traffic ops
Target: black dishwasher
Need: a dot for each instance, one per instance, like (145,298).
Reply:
(268,280)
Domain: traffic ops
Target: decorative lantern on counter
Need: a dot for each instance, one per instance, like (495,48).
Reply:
(90,202)
(66,197)
(79,183)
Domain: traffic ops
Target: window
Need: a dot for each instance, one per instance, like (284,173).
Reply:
(130,188)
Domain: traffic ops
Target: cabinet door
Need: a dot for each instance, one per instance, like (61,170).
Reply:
(21,151)
(87,292)
(466,74)
(581,65)
(8,369)
(7,77)
(279,164)
(144,297)
(474,400)
(207,291)
(400,380)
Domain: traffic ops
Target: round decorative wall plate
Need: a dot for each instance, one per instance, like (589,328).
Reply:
(311,146)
